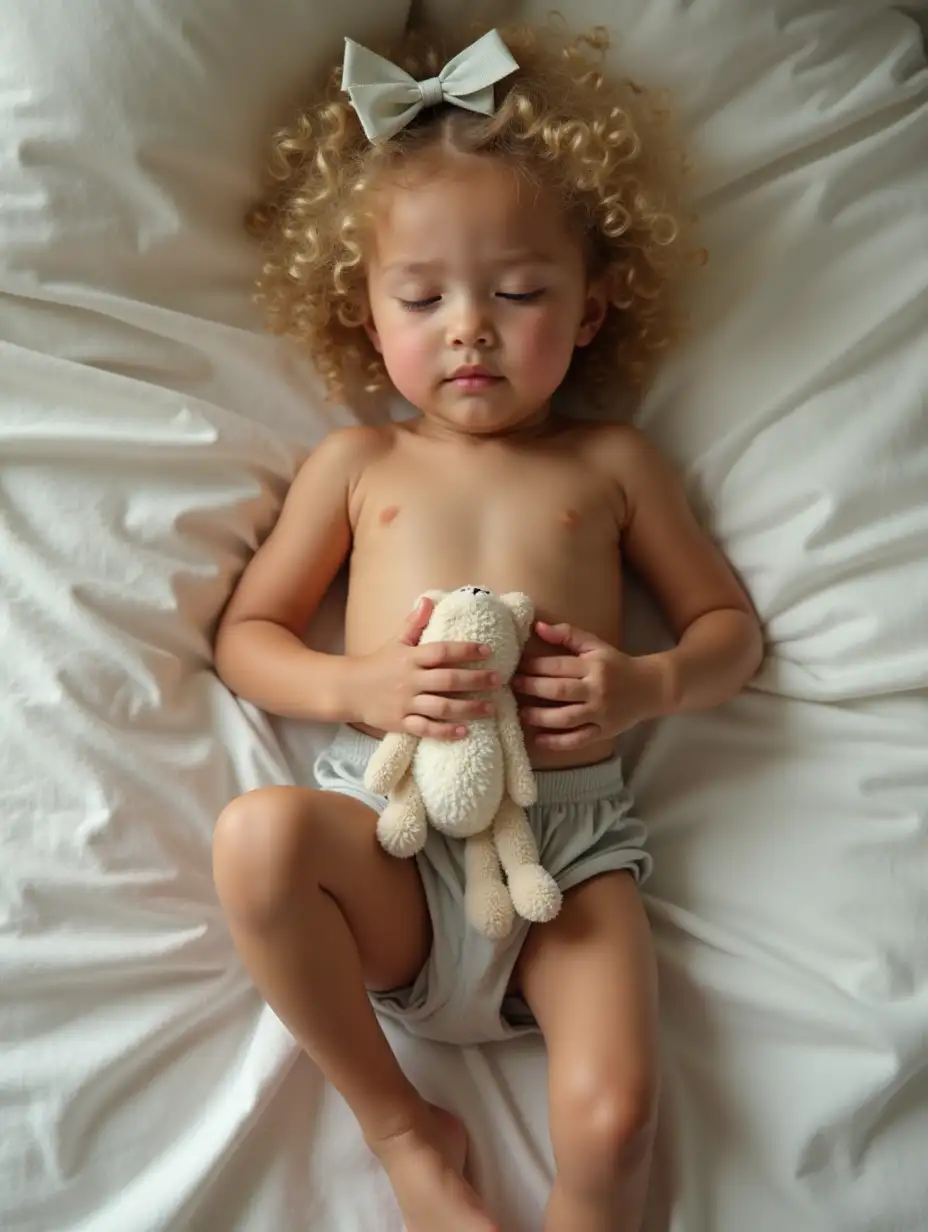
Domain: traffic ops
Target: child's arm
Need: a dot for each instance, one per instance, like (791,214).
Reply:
(259,653)
(719,641)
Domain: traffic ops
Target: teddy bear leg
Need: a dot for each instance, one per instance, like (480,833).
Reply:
(487,902)
(534,891)
(402,827)
(390,761)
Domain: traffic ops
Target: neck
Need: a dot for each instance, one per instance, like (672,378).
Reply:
(539,425)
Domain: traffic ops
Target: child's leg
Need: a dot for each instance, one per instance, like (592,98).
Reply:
(589,978)
(318,913)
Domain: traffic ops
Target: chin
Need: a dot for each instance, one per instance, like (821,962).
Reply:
(477,418)
(485,425)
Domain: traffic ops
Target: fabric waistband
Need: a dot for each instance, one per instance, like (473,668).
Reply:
(570,786)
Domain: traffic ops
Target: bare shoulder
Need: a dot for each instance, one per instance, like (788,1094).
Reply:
(340,459)
(626,457)
(621,447)
(349,449)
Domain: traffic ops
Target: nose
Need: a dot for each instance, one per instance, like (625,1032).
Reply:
(471,325)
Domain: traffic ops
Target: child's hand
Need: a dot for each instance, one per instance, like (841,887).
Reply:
(401,686)
(602,691)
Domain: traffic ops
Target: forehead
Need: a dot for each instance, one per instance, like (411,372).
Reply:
(468,204)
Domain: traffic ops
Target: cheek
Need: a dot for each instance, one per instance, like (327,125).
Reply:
(545,345)
(406,352)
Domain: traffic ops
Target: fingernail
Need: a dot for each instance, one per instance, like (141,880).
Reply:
(494,678)
(460,731)
(487,708)
(485,652)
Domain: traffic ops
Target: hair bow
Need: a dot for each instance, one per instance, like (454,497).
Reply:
(386,98)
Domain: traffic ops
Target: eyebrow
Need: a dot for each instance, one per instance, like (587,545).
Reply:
(428,267)
(410,267)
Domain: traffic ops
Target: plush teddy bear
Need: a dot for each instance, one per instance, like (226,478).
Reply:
(476,788)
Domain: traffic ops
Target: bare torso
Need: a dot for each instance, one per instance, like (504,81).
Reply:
(535,515)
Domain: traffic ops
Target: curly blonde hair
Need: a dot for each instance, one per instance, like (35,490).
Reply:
(602,144)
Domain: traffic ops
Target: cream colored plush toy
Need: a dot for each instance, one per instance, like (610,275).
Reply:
(476,788)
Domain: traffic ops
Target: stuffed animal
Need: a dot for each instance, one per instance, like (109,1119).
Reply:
(476,788)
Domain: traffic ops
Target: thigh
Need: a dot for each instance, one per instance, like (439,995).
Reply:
(589,978)
(275,845)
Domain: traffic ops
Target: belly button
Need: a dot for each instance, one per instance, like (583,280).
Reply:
(388,515)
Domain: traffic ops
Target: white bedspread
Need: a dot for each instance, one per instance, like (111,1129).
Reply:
(147,433)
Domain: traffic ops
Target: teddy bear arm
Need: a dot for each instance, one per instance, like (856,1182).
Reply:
(402,827)
(520,780)
(390,762)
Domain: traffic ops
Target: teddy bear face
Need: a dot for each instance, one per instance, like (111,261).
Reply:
(475,614)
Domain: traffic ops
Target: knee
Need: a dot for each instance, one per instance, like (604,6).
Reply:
(602,1127)
(260,854)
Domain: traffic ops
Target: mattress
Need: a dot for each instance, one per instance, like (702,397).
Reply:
(148,430)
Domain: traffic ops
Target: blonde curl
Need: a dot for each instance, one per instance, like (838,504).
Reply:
(602,143)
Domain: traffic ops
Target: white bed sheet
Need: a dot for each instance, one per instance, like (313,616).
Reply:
(146,436)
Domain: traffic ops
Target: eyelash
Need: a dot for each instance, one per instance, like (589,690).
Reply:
(418,305)
(526,297)
(422,305)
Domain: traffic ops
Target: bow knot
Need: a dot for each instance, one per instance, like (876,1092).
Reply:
(387,98)
(432,91)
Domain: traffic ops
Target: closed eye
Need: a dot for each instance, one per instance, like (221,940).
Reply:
(525,297)
(419,305)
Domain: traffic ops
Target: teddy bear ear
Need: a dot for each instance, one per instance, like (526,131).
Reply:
(523,612)
(435,595)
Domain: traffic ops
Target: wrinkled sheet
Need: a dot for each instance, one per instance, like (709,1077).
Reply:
(147,433)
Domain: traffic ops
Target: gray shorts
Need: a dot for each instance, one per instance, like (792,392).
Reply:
(583,829)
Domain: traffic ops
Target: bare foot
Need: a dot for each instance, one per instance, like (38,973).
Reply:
(425,1165)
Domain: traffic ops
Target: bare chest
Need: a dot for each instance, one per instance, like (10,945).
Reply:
(525,507)
(549,529)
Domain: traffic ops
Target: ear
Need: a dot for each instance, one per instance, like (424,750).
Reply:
(595,308)
(371,330)
(523,613)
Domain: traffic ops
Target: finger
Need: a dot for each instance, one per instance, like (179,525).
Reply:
(450,709)
(554,718)
(416,621)
(551,688)
(568,636)
(440,654)
(576,739)
(432,729)
(458,680)
(552,665)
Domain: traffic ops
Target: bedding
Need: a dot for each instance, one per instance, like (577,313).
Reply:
(148,430)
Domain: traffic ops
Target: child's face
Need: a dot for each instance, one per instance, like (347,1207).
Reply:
(479,294)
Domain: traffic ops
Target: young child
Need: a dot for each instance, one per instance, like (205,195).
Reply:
(474,236)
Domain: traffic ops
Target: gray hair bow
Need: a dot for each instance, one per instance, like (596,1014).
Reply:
(386,98)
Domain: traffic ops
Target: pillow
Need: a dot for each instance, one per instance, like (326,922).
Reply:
(147,432)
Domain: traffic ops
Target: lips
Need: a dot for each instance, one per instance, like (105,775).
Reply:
(473,377)
(471,370)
